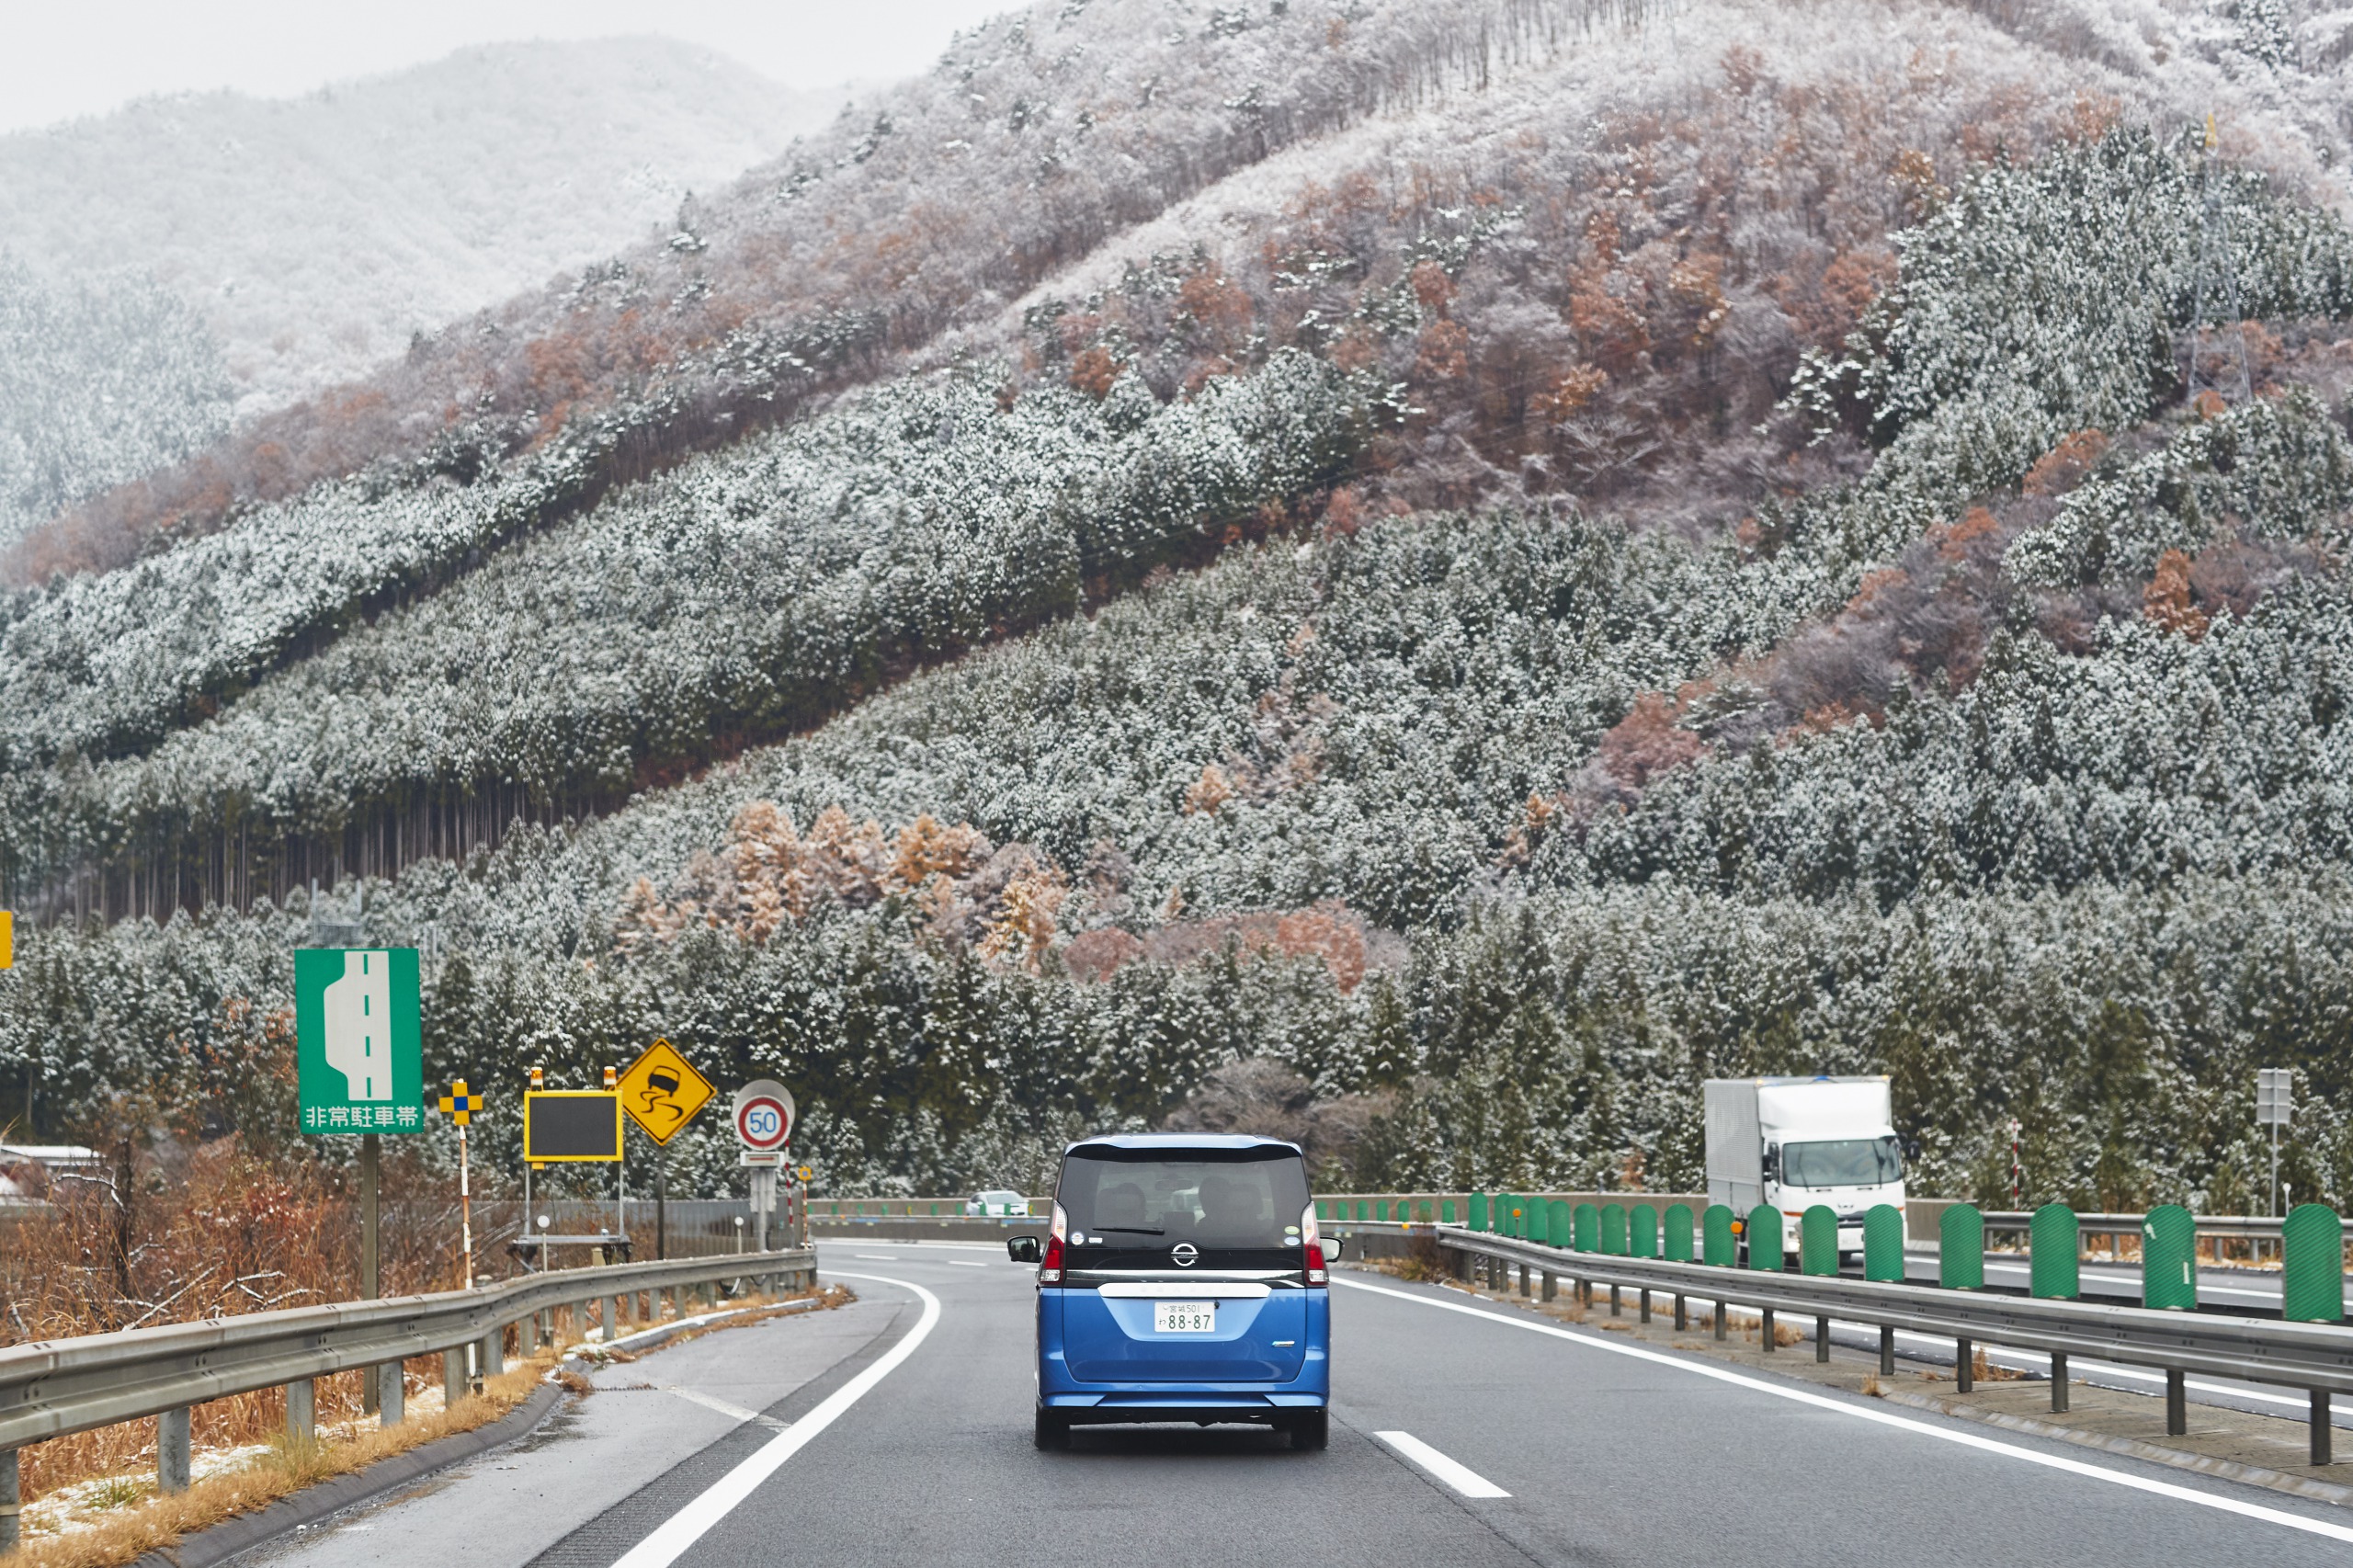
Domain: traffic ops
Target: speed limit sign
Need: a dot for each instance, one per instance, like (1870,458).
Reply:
(764,1116)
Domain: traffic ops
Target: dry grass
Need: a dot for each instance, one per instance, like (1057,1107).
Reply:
(287,1467)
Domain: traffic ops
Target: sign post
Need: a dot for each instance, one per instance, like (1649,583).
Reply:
(359,1067)
(662,1091)
(2275,1106)
(762,1116)
(460,1106)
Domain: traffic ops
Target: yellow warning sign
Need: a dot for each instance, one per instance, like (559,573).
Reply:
(661,1092)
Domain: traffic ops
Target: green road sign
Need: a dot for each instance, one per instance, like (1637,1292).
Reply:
(359,1051)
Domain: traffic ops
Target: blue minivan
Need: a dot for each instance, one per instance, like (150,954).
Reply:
(1184,1280)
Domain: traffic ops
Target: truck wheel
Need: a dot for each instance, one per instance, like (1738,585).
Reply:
(1311,1430)
(1053,1431)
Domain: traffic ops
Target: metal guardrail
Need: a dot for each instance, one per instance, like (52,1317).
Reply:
(2317,1358)
(2234,1227)
(51,1388)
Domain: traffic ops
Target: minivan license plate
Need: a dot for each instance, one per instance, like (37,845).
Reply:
(1184,1317)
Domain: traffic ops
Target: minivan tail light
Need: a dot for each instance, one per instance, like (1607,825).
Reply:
(1312,1243)
(1050,1267)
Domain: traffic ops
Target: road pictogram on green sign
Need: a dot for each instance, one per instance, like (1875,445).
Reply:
(359,1048)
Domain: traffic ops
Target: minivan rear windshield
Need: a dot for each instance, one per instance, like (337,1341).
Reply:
(1156,1198)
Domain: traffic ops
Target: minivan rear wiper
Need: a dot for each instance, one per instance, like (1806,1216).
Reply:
(1134,1230)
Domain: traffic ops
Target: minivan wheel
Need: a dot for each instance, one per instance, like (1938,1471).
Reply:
(1310,1429)
(1053,1431)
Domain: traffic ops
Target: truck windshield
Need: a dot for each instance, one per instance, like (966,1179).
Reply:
(1842,1162)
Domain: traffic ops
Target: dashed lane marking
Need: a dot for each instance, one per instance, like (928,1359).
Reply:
(1454,1473)
(1950,1435)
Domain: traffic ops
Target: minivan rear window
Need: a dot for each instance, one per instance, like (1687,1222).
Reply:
(1153,1199)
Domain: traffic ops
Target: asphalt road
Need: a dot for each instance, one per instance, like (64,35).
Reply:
(897,1431)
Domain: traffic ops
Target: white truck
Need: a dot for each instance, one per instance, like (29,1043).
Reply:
(1794,1142)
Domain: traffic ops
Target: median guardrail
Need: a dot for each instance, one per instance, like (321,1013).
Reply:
(2308,1349)
(51,1388)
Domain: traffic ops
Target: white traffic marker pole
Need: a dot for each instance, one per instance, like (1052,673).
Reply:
(465,1208)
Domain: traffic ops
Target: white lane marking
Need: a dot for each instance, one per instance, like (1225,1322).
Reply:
(877,1256)
(686,1526)
(736,1412)
(1454,1473)
(962,1263)
(1884,1418)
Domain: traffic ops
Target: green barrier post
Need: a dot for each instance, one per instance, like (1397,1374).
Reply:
(1585,1227)
(1613,1230)
(2054,1243)
(1719,1247)
(1446,1211)
(1960,1248)
(1641,1239)
(1675,1245)
(2312,1242)
(2169,1259)
(1883,1243)
(1765,1239)
(1478,1217)
(1818,1240)
(1560,1224)
(1539,1215)
(2312,1283)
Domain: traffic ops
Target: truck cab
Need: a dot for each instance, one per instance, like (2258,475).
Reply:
(1795,1143)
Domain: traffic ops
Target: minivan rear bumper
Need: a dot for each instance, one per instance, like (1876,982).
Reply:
(1190,1399)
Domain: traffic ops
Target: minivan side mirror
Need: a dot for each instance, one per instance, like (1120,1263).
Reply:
(1023,1249)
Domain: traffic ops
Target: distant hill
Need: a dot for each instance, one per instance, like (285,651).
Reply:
(315,234)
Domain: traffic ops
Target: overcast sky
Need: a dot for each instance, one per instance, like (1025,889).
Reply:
(60,59)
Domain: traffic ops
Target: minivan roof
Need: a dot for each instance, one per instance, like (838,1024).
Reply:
(1184,1141)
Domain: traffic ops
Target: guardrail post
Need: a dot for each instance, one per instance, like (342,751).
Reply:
(2054,1244)
(1886,1351)
(493,1351)
(303,1410)
(1818,1240)
(1960,1248)
(2169,1259)
(1641,1230)
(1551,1285)
(9,1500)
(1964,1364)
(1523,1279)
(1884,1244)
(453,1377)
(1613,1300)
(391,1394)
(1822,1338)
(526,1336)
(2177,1403)
(2311,1289)
(172,1452)
(1645,1296)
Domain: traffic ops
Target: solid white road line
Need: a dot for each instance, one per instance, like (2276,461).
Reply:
(1884,1418)
(962,1263)
(687,1526)
(877,1256)
(1459,1476)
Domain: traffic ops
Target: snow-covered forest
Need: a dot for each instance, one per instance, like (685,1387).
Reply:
(1496,555)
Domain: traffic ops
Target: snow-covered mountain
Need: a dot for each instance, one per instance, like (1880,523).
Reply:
(316,234)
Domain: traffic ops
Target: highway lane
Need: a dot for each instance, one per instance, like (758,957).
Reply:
(1607,1452)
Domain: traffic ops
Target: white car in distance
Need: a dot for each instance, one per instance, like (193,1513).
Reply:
(997,1205)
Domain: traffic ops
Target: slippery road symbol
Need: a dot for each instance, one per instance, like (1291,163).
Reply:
(661,1092)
